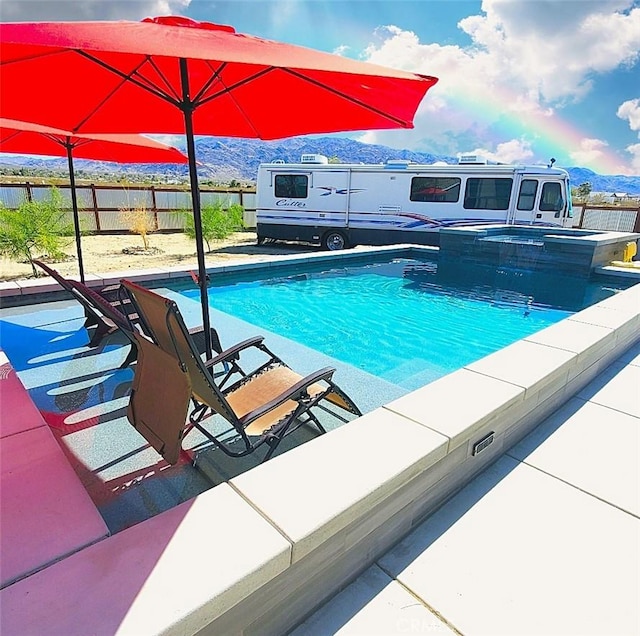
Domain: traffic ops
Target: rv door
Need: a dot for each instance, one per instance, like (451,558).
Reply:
(329,197)
(552,202)
(539,200)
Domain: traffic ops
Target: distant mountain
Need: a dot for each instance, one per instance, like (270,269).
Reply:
(619,184)
(227,158)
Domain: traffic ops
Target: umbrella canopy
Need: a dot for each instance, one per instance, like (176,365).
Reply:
(22,137)
(175,75)
(26,138)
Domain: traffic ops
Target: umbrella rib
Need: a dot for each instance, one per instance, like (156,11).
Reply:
(55,138)
(215,75)
(168,87)
(230,89)
(10,136)
(353,100)
(126,78)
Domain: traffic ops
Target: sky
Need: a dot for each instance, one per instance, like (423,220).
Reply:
(519,80)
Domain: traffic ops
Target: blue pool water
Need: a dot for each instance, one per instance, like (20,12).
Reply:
(393,320)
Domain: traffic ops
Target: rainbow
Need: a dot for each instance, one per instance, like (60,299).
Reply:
(548,134)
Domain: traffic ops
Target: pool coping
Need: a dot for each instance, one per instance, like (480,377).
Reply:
(33,290)
(295,542)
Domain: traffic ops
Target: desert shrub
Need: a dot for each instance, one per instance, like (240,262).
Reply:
(218,223)
(35,228)
(139,221)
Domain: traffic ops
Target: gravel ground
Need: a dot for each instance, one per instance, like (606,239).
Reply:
(117,252)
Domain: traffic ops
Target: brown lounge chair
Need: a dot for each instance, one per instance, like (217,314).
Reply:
(110,310)
(94,318)
(262,406)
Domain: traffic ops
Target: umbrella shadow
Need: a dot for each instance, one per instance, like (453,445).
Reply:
(278,249)
(72,386)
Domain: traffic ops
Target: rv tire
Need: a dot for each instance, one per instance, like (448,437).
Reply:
(334,241)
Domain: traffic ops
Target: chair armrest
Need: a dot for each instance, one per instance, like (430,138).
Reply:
(292,393)
(232,352)
(197,335)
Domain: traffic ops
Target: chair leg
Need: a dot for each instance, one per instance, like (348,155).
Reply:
(89,320)
(272,443)
(132,356)
(102,329)
(321,428)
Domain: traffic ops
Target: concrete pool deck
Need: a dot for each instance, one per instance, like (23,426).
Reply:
(258,554)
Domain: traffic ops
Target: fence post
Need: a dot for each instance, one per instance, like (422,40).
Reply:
(154,207)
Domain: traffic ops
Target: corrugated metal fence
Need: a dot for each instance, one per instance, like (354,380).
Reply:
(100,206)
(613,218)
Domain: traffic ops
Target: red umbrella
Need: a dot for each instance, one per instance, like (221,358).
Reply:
(175,75)
(26,138)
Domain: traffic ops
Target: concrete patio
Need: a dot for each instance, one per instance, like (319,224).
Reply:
(501,499)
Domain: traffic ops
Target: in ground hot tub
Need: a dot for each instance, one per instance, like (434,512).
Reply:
(561,251)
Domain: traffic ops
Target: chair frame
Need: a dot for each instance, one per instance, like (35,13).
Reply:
(211,395)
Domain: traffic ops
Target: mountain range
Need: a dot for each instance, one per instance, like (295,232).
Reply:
(226,159)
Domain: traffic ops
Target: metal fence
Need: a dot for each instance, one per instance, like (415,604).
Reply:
(613,218)
(100,207)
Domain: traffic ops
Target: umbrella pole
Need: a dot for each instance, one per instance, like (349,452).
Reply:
(187,110)
(74,205)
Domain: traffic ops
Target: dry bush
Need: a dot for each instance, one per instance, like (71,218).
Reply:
(139,221)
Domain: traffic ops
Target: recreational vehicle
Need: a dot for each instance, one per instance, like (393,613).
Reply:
(343,205)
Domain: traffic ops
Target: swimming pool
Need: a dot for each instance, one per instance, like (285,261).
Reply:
(82,392)
(396,320)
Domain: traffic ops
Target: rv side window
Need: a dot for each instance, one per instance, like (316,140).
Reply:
(435,189)
(487,194)
(527,196)
(291,186)
(551,199)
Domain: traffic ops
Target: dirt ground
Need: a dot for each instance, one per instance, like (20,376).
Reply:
(120,252)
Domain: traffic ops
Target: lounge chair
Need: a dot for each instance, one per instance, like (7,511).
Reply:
(109,317)
(262,406)
(93,319)
(110,310)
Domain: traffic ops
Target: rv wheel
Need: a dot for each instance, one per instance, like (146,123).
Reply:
(334,241)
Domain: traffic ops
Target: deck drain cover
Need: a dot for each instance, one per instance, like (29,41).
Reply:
(480,445)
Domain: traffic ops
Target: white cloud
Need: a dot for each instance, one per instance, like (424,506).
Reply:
(341,50)
(590,150)
(630,110)
(525,61)
(74,10)
(514,151)
(634,151)
(561,43)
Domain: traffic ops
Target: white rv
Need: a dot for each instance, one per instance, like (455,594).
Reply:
(342,205)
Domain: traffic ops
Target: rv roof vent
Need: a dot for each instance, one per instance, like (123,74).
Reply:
(397,164)
(278,161)
(313,159)
(472,160)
